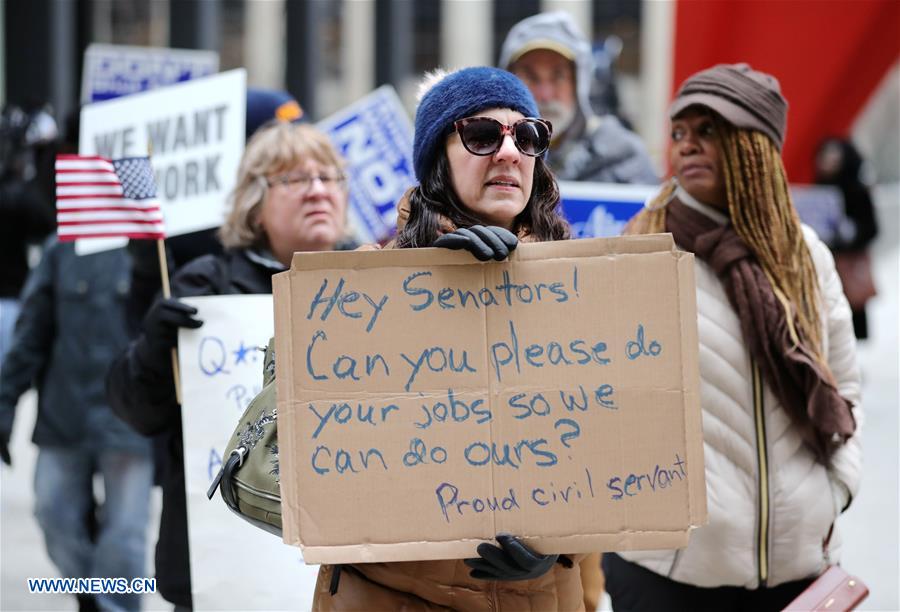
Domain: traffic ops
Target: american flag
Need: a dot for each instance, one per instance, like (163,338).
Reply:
(97,197)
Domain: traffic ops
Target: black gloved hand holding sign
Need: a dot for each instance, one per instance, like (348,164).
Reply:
(512,560)
(161,325)
(484,243)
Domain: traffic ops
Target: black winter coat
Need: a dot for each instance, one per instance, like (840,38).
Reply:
(25,218)
(144,396)
(71,327)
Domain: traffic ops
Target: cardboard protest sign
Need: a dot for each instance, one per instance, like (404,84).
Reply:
(374,135)
(221,371)
(427,403)
(110,71)
(197,134)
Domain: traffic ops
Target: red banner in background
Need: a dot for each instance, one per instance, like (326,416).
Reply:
(829,55)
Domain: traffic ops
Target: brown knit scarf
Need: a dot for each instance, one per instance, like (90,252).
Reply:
(804,388)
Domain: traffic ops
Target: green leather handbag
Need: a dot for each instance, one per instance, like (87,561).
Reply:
(249,477)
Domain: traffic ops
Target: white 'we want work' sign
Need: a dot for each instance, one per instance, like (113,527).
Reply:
(194,132)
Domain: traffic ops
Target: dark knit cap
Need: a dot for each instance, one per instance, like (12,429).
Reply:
(264,105)
(459,95)
(745,97)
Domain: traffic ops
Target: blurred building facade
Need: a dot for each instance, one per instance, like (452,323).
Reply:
(328,53)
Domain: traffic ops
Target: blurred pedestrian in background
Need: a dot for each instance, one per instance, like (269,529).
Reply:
(554,59)
(779,389)
(71,326)
(484,186)
(839,163)
(26,203)
(291,195)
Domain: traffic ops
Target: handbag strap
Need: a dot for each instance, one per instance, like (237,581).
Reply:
(825,542)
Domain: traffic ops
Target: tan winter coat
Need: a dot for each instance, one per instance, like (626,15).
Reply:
(445,585)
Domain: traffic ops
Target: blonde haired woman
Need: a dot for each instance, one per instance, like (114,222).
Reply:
(285,165)
(290,196)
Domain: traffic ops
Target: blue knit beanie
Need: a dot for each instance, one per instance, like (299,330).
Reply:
(459,95)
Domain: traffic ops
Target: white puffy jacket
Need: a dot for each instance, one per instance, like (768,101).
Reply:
(755,539)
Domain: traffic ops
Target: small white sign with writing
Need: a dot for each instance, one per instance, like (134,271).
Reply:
(234,565)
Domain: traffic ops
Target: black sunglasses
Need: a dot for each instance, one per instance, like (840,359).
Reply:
(484,135)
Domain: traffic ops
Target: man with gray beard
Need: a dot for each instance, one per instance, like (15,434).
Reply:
(553,58)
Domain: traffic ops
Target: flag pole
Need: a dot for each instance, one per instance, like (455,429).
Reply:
(167,293)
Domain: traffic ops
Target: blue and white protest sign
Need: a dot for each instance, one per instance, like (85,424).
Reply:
(822,208)
(601,210)
(375,136)
(111,71)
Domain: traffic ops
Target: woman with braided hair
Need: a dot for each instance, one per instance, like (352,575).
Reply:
(779,378)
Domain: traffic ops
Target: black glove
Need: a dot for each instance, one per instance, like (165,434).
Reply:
(161,325)
(485,243)
(511,561)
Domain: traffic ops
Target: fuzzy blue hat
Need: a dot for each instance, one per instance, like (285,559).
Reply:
(459,95)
